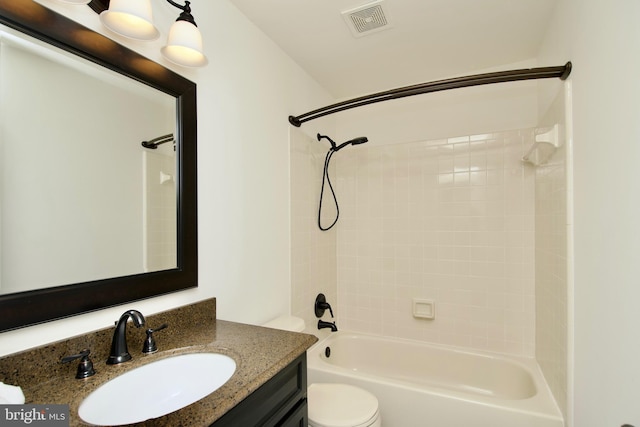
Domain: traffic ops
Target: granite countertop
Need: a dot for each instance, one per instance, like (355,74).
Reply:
(259,354)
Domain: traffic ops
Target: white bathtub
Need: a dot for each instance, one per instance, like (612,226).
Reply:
(425,385)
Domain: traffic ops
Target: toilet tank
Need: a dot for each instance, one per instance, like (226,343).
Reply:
(286,323)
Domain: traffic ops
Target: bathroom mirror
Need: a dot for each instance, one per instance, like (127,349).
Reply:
(54,176)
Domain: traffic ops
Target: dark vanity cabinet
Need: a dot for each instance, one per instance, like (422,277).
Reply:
(280,402)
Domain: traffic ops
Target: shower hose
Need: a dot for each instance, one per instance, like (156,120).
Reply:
(325,176)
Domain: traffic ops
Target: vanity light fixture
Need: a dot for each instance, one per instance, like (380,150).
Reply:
(134,19)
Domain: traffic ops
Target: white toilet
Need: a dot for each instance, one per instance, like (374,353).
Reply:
(330,404)
(341,405)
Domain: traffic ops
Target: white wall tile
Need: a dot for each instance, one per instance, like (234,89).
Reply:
(454,222)
(313,252)
(451,220)
(551,258)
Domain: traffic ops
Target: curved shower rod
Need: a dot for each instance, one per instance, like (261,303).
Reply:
(561,72)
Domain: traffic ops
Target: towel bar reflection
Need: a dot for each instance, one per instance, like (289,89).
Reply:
(153,144)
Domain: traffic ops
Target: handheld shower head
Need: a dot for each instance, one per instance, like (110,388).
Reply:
(354,141)
(359,140)
(325,175)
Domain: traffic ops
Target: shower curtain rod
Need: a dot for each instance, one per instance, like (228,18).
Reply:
(561,72)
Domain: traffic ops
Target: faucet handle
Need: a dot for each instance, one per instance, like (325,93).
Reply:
(321,305)
(85,368)
(150,342)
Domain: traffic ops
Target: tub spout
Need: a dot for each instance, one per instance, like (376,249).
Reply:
(322,324)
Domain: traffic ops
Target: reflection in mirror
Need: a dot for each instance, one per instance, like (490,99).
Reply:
(80,194)
(88,217)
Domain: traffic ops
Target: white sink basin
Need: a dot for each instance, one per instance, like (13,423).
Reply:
(156,389)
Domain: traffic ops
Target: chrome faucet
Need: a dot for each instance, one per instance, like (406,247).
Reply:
(322,324)
(119,350)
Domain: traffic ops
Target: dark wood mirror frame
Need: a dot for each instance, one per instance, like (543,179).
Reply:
(38,306)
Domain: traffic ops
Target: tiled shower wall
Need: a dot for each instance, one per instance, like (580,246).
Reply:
(313,252)
(552,255)
(160,209)
(448,220)
(452,220)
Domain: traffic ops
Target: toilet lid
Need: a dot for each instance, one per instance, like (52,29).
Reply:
(286,323)
(340,405)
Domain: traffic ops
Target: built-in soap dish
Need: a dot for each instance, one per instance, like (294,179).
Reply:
(547,141)
(424,308)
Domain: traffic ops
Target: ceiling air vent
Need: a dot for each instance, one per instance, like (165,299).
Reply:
(367,19)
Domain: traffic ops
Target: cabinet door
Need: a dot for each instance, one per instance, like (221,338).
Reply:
(298,418)
(271,404)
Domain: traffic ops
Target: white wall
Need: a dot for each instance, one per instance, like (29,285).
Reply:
(244,98)
(466,111)
(602,39)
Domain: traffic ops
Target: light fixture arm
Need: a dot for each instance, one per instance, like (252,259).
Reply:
(186,11)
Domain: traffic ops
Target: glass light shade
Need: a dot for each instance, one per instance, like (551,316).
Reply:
(130,18)
(184,45)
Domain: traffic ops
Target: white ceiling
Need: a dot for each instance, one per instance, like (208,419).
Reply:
(428,40)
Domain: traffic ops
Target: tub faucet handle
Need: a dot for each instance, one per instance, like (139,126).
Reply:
(321,305)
